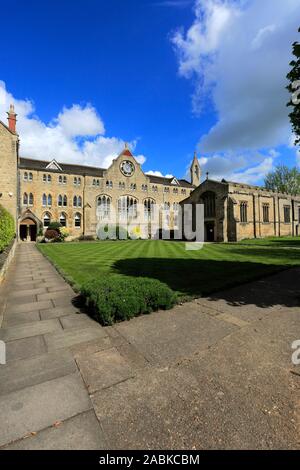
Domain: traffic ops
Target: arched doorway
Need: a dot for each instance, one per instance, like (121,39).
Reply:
(28,230)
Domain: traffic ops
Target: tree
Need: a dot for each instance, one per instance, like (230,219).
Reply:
(294,88)
(283,180)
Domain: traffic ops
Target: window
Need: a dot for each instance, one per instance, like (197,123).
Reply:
(65,201)
(121,185)
(44,178)
(49,200)
(75,201)
(175,190)
(30,199)
(64,180)
(60,200)
(25,199)
(96,182)
(49,178)
(166,190)
(287,214)
(77,220)
(127,207)
(266,213)
(60,179)
(149,206)
(63,219)
(79,201)
(75,181)
(133,186)
(154,189)
(44,200)
(46,219)
(166,213)
(103,207)
(144,187)
(79,181)
(183,191)
(209,201)
(109,184)
(30,177)
(243,212)
(25,176)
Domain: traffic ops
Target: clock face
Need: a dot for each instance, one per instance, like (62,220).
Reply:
(127,168)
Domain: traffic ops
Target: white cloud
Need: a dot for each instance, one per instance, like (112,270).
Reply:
(158,173)
(76,135)
(238,53)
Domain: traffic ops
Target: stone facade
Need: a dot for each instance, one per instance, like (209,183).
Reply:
(235,211)
(73,194)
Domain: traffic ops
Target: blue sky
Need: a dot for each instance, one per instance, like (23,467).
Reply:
(168,76)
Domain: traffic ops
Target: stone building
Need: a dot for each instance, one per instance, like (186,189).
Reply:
(37,192)
(235,211)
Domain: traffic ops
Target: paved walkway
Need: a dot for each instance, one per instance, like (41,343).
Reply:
(213,373)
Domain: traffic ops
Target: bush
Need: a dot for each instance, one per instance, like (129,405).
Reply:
(51,234)
(115,299)
(7,228)
(54,226)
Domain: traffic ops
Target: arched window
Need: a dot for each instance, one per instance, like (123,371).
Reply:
(46,219)
(65,201)
(44,200)
(103,207)
(64,180)
(75,181)
(175,206)
(60,179)
(209,201)
(60,200)
(77,220)
(243,211)
(144,187)
(127,207)
(79,181)
(75,201)
(183,191)
(133,186)
(109,184)
(25,176)
(175,190)
(49,200)
(63,219)
(79,201)
(149,205)
(30,177)
(44,178)
(31,199)
(49,178)
(25,199)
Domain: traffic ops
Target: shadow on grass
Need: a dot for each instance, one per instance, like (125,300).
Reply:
(196,278)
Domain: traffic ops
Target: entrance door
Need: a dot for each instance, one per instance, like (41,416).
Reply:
(210,231)
(28,230)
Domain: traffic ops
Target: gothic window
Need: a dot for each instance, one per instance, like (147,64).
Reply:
(75,201)
(209,201)
(44,200)
(243,212)
(60,200)
(30,177)
(49,178)
(133,186)
(46,219)
(79,201)
(127,207)
(60,179)
(25,176)
(77,220)
(104,207)
(44,178)
(183,191)
(49,200)
(75,181)
(30,199)
(175,190)
(63,219)
(25,199)
(65,201)
(149,205)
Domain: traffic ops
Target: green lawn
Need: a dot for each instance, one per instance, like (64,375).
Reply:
(191,273)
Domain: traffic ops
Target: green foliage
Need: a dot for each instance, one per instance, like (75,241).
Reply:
(294,88)
(115,299)
(283,180)
(54,226)
(7,228)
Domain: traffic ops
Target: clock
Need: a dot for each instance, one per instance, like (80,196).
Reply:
(127,168)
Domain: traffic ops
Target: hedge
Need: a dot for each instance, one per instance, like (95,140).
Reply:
(7,228)
(116,298)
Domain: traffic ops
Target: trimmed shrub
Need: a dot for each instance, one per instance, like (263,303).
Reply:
(51,234)
(116,298)
(7,228)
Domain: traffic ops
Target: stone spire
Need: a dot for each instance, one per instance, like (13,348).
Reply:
(195,171)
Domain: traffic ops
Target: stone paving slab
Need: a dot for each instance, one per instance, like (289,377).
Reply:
(82,432)
(166,336)
(35,408)
(30,329)
(20,318)
(56,312)
(27,372)
(65,294)
(24,348)
(104,369)
(28,307)
(68,338)
(77,320)
(27,291)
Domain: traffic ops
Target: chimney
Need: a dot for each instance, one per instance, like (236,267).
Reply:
(12,118)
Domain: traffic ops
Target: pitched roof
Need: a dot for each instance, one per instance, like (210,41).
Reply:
(168,181)
(69,168)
